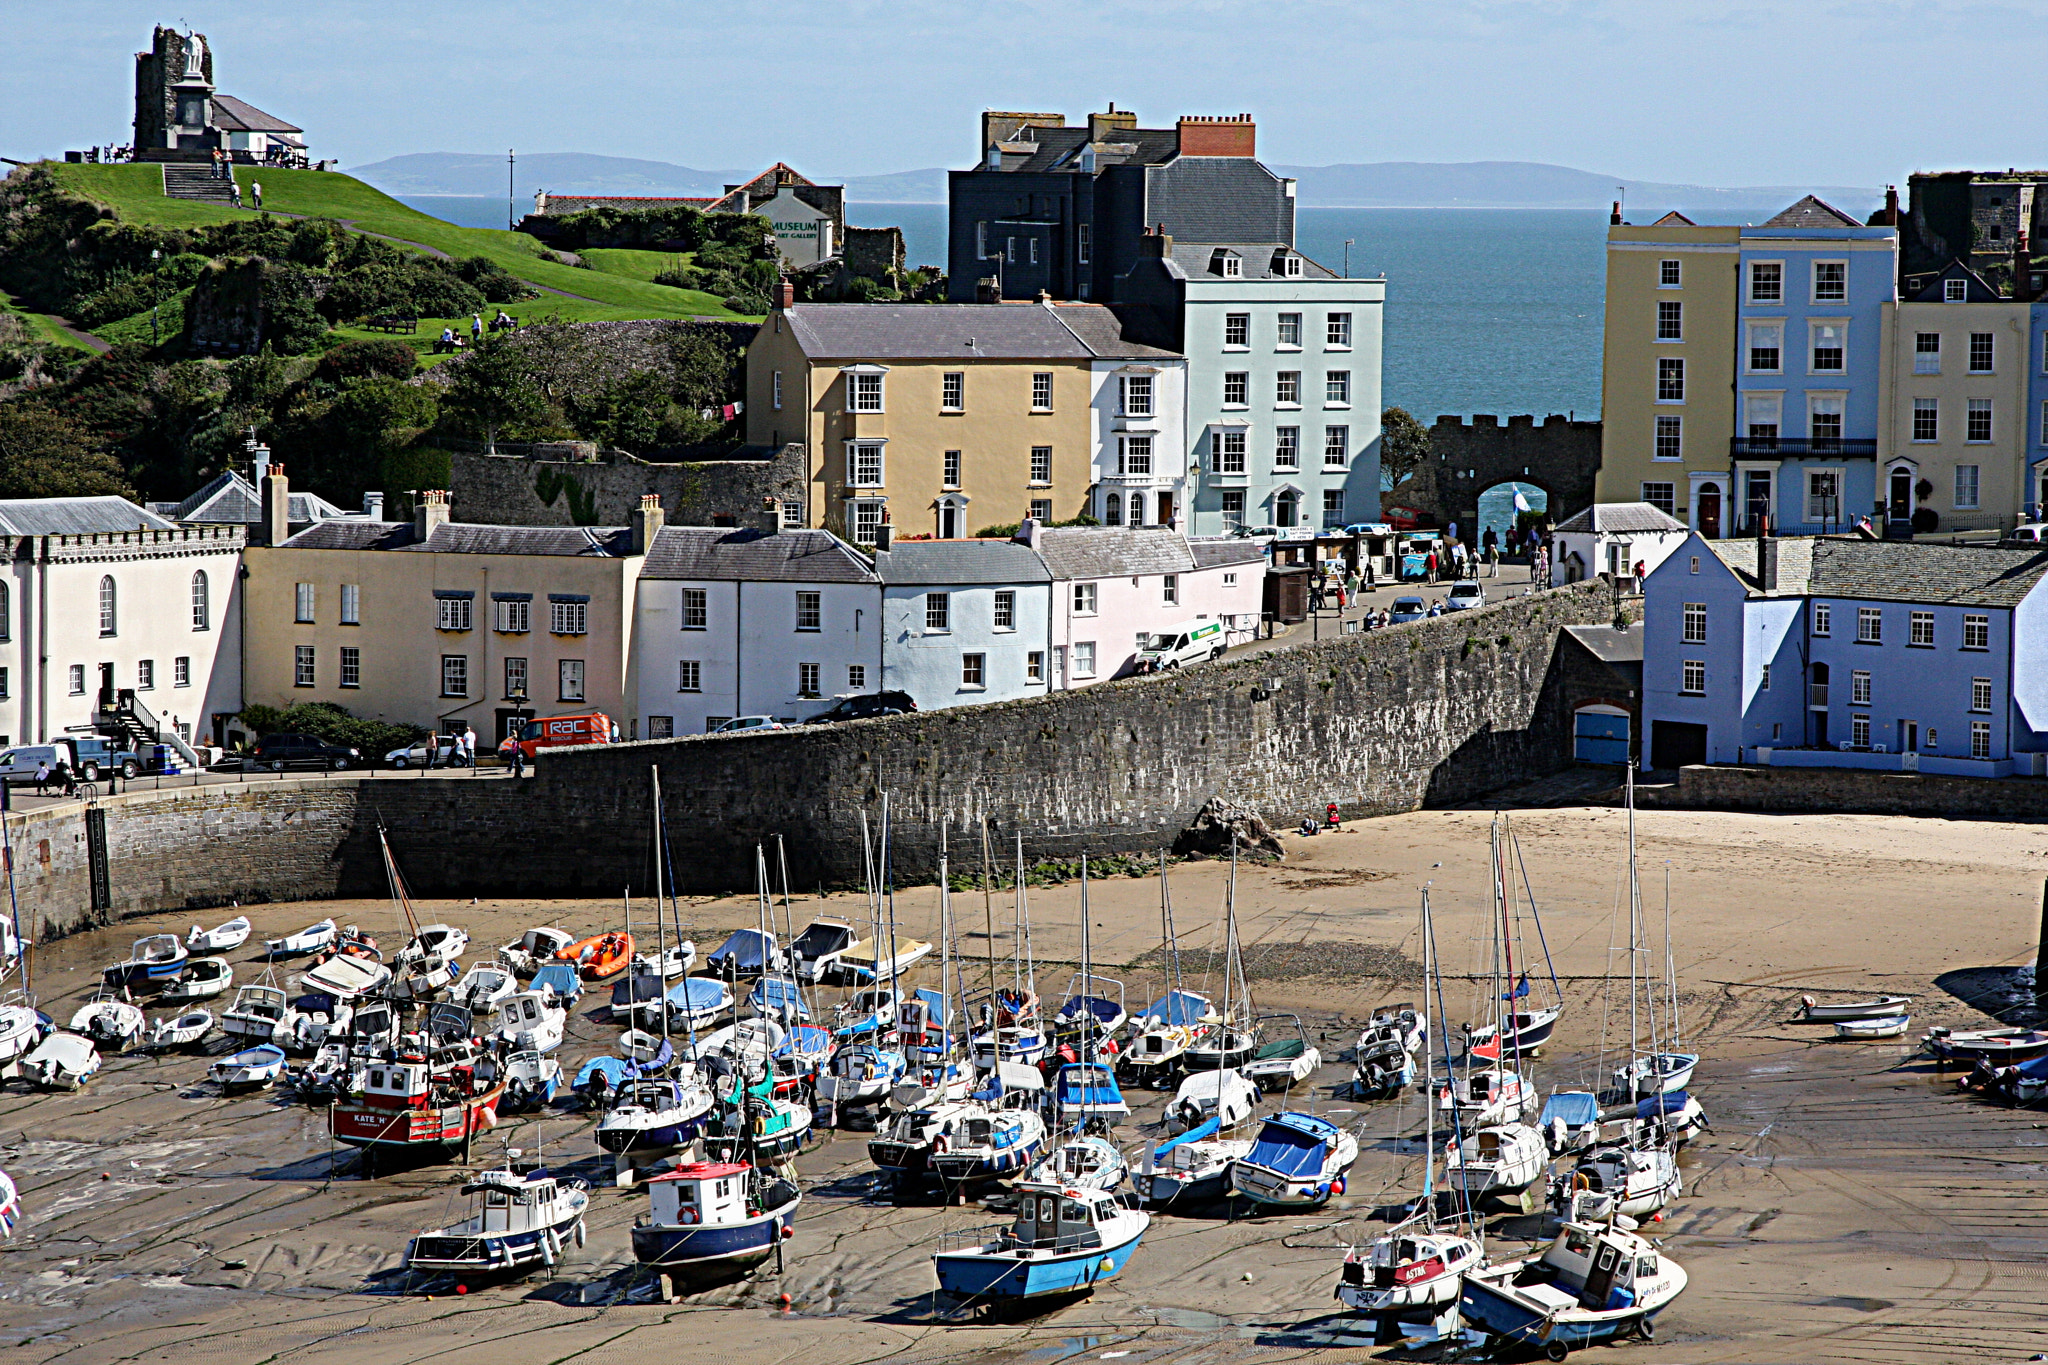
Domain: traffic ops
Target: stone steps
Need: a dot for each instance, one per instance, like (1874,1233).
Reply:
(197,183)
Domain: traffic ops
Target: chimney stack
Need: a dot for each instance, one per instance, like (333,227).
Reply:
(648,519)
(785,295)
(2022,266)
(1891,205)
(1102,127)
(373,506)
(277,505)
(769,518)
(1227,135)
(1766,555)
(432,511)
(1614,217)
(1158,243)
(988,289)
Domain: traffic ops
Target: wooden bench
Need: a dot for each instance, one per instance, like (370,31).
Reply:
(392,323)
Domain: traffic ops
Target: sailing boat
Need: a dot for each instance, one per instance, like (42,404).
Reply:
(868,1064)
(1414,1273)
(1670,1072)
(1086,1091)
(1163,1032)
(1214,1087)
(1498,1093)
(1521,1028)
(1011,1030)
(931,1099)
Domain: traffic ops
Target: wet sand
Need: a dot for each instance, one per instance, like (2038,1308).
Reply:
(1849,1205)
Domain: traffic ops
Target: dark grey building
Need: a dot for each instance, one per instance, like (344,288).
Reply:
(1060,210)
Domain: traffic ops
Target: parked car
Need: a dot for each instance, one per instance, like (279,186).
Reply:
(739,724)
(96,756)
(1408,609)
(864,705)
(19,764)
(417,754)
(1465,596)
(278,752)
(2032,533)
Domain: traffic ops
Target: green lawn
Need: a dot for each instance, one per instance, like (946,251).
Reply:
(170,324)
(635,265)
(136,192)
(41,325)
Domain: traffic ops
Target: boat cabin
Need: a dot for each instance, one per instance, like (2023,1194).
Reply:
(397,1085)
(513,1202)
(157,950)
(821,938)
(258,1002)
(1051,1218)
(701,1192)
(519,1013)
(1590,1267)
(993,1132)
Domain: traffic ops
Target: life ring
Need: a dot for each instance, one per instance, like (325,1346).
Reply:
(1580,1181)
(686,1216)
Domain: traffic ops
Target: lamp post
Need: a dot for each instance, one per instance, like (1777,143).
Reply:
(1349,242)
(155,291)
(510,162)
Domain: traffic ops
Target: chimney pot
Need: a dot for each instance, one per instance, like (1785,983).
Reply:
(276,499)
(373,506)
(432,511)
(1614,215)
(785,295)
(988,289)
(646,523)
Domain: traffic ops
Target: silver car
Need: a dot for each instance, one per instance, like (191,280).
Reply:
(1465,595)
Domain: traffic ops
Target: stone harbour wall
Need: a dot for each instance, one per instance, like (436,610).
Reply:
(1853,791)
(1433,713)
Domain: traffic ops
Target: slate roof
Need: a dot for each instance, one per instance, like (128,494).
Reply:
(1059,149)
(1901,571)
(462,538)
(1621,517)
(754,556)
(1111,551)
(1795,563)
(938,562)
(1236,550)
(1979,289)
(229,499)
(1196,261)
(1811,212)
(1104,333)
(239,116)
(76,516)
(1608,644)
(944,331)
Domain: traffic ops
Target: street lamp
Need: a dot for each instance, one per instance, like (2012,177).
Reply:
(155,290)
(1349,242)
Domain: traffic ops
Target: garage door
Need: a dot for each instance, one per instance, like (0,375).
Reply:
(1600,735)
(1674,744)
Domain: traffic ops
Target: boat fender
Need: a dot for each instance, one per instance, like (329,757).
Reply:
(579,1232)
(787,1232)
(1337,1185)
(1105,1265)
(550,1246)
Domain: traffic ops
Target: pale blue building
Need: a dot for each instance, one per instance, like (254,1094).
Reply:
(1842,652)
(1812,286)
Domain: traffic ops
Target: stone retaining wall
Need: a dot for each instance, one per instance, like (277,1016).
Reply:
(1828,790)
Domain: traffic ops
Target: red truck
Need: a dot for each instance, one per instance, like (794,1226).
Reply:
(558,732)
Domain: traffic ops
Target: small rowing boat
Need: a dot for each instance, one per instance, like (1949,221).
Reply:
(1884,1007)
(249,1070)
(219,939)
(1892,1026)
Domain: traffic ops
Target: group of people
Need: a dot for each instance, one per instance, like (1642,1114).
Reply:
(451,340)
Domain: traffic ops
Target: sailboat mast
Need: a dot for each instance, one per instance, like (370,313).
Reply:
(660,934)
(888,891)
(1428,1073)
(1229,956)
(945,916)
(1670,967)
(1087,1010)
(988,907)
(1507,935)
(1635,916)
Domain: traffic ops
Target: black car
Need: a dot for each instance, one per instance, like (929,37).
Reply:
(869,704)
(278,752)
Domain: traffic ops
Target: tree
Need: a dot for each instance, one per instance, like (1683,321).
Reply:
(1404,444)
(44,454)
(492,390)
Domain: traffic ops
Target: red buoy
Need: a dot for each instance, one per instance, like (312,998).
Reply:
(462,1289)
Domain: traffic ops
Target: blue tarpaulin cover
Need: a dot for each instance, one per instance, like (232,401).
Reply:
(1292,1144)
(1083,1084)
(1665,1104)
(774,994)
(746,951)
(1177,1007)
(559,977)
(1576,1107)
(1208,1127)
(699,993)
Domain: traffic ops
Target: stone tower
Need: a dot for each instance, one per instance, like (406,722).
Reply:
(173,91)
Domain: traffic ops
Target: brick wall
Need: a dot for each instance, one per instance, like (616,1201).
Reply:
(1437,712)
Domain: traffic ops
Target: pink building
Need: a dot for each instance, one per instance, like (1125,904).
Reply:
(1113,586)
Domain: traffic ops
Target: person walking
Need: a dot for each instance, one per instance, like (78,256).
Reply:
(476,327)
(1492,557)
(256,194)
(1429,568)
(42,777)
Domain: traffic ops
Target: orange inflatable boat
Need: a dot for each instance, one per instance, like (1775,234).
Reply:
(601,955)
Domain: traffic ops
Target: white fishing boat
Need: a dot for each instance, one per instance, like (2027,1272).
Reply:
(532,1079)
(110,1022)
(1283,1063)
(669,963)
(1225,1096)
(255,1013)
(817,950)
(1062,1242)
(1617,1179)
(1163,1032)
(1595,1282)
(1297,1161)
(221,938)
(310,939)
(345,976)
(1658,1073)
(533,950)
(530,1020)
(62,1061)
(712,1220)
(1383,1059)
(1414,1274)
(1087,1163)
(1894,1026)
(1884,1007)
(1500,1160)
(154,961)
(1489,1095)
(204,978)
(519,1217)
(483,986)
(181,1030)
(21,1028)
(309,1021)
(248,1070)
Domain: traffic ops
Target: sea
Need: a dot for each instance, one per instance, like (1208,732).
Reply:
(1494,311)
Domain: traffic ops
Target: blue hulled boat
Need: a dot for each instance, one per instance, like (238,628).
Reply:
(521,1218)
(713,1220)
(1299,1160)
(1064,1241)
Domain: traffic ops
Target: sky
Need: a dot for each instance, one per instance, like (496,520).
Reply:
(1700,92)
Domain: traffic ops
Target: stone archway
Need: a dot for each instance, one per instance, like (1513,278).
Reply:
(1499,511)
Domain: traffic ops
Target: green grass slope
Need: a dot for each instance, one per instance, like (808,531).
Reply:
(635,265)
(135,191)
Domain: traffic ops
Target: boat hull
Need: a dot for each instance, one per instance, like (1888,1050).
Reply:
(1007,1275)
(444,1126)
(490,1252)
(1164,1189)
(656,1136)
(1509,1320)
(975,1168)
(699,1253)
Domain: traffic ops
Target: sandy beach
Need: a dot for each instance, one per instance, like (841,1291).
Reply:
(1849,1204)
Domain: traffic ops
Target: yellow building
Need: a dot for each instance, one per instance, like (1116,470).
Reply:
(443,624)
(1668,369)
(1955,387)
(937,418)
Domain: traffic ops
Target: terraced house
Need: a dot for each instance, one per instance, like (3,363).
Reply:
(936,419)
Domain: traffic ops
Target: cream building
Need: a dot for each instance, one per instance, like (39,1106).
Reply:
(101,596)
(1955,439)
(1671,297)
(938,419)
(438,623)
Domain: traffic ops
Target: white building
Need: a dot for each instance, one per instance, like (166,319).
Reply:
(965,621)
(1113,587)
(1283,380)
(1137,398)
(100,597)
(1612,538)
(752,622)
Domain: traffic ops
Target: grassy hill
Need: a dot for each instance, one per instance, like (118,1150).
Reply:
(569,294)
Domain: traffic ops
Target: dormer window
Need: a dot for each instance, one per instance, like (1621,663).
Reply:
(1287,265)
(1226,263)
(995,157)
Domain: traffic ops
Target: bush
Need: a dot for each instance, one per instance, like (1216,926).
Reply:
(415,288)
(292,327)
(752,305)
(325,721)
(493,281)
(374,359)
(1926,519)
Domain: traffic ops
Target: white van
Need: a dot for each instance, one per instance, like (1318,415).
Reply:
(1187,643)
